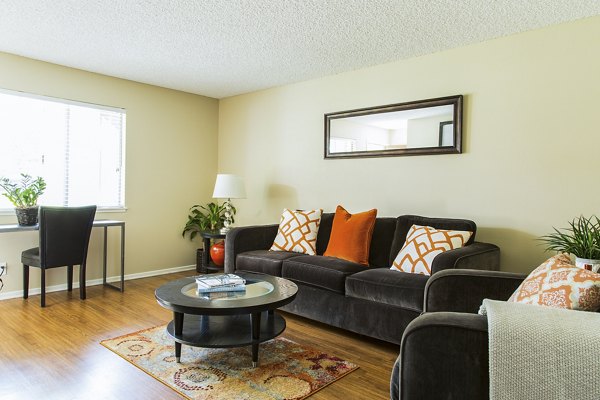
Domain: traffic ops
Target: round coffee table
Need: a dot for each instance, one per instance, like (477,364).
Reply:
(231,319)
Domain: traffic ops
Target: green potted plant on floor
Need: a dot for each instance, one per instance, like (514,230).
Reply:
(24,196)
(581,238)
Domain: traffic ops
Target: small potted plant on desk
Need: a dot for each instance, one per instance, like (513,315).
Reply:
(207,220)
(581,238)
(24,196)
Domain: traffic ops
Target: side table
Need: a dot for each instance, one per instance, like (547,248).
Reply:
(207,265)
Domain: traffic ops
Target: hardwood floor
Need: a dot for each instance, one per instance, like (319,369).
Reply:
(54,353)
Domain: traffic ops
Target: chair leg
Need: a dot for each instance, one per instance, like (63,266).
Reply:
(25,281)
(82,281)
(43,288)
(69,278)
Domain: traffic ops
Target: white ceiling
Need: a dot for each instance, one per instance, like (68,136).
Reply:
(221,48)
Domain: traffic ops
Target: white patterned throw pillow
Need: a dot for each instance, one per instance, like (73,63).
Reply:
(560,284)
(423,243)
(298,231)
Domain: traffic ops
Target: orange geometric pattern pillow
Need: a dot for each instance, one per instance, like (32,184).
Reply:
(558,283)
(422,244)
(298,231)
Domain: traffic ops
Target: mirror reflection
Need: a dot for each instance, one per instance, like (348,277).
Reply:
(423,127)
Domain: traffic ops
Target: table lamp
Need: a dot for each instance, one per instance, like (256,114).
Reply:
(228,187)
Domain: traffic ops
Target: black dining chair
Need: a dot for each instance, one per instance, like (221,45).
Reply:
(64,238)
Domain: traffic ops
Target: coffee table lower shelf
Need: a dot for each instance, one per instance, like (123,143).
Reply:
(223,331)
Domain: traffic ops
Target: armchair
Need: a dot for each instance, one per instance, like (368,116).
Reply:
(444,352)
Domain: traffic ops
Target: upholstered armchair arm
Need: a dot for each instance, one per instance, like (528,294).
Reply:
(463,290)
(239,240)
(474,256)
(442,356)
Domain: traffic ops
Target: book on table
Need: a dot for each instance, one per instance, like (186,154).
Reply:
(231,288)
(220,283)
(221,295)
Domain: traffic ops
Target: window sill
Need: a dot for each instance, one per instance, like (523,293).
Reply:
(11,211)
(111,210)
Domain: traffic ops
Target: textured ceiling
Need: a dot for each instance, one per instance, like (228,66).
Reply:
(221,48)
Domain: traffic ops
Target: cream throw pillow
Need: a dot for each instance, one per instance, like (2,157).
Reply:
(422,244)
(298,231)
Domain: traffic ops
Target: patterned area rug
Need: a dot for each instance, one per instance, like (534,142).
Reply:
(286,370)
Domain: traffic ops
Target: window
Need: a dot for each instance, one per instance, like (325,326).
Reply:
(342,145)
(375,146)
(78,148)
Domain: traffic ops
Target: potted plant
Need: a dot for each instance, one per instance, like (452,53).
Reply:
(24,196)
(210,217)
(581,238)
(204,218)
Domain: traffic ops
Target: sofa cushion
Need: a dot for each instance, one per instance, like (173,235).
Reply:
(263,261)
(383,285)
(351,235)
(381,242)
(324,272)
(324,232)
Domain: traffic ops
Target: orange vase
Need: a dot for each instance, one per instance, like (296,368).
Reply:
(217,253)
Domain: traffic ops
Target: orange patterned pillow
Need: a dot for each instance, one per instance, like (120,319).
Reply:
(298,231)
(422,244)
(351,235)
(558,283)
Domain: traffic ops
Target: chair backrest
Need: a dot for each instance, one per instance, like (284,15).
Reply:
(65,234)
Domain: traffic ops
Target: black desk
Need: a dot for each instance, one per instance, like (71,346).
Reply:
(206,265)
(99,223)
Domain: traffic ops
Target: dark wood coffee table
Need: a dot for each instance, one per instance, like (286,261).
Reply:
(246,318)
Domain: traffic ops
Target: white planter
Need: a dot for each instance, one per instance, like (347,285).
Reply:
(592,265)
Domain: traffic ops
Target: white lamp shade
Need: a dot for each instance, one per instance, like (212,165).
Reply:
(229,186)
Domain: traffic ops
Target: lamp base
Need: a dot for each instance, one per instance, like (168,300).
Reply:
(228,216)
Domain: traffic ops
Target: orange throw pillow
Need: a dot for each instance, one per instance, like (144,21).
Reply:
(351,235)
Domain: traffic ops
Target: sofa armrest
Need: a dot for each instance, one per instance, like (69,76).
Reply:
(442,356)
(463,290)
(474,256)
(246,238)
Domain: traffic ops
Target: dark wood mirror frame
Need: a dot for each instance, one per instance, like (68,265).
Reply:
(456,147)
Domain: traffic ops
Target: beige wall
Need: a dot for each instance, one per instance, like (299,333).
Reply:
(530,161)
(171,163)
(531,146)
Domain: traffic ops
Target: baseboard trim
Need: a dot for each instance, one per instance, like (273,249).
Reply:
(94,282)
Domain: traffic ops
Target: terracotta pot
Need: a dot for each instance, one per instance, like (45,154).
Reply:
(217,253)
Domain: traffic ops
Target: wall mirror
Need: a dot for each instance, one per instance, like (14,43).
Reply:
(432,126)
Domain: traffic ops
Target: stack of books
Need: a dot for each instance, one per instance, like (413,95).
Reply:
(220,295)
(220,283)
